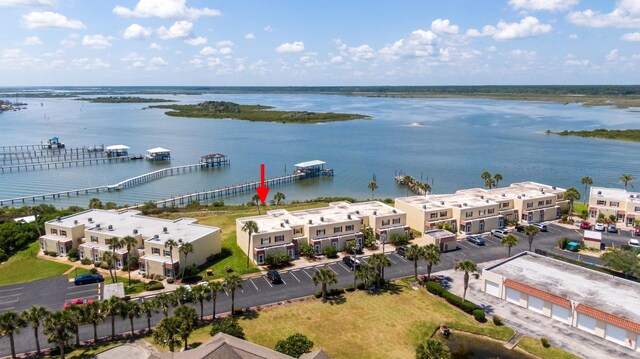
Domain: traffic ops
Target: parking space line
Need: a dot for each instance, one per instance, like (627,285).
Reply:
(294,276)
(11,301)
(333,270)
(12,295)
(391,260)
(9,290)
(345,268)
(266,280)
(285,283)
(401,257)
(80,292)
(305,272)
(250,280)
(10,308)
(241,290)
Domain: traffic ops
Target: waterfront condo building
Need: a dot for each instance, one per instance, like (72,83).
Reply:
(624,205)
(479,210)
(335,225)
(90,232)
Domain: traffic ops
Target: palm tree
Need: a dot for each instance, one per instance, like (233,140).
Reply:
(95,203)
(231,283)
(256,200)
(432,349)
(486,176)
(185,249)
(426,187)
(626,180)
(215,288)
(115,244)
(586,181)
(571,194)
(167,332)
(109,259)
(11,323)
(530,231)
(373,185)
(367,274)
(432,256)
(171,244)
(201,293)
(325,277)
(497,178)
(164,301)
(131,309)
(278,198)
(129,243)
(34,316)
(509,241)
(415,253)
(188,322)
(149,307)
(93,314)
(250,227)
(76,318)
(58,326)
(379,261)
(111,307)
(466,266)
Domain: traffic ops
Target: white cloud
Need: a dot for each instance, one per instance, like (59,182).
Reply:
(132,57)
(31,41)
(492,48)
(442,26)
(297,46)
(250,36)
(268,28)
(164,9)
(11,53)
(178,30)
(571,61)
(361,53)
(28,2)
(546,5)
(626,14)
(69,41)
(226,51)
(225,43)
(337,59)
(527,27)
(135,31)
(97,41)
(41,19)
(612,55)
(155,63)
(155,46)
(86,63)
(137,64)
(573,37)
(631,36)
(522,55)
(420,43)
(208,51)
(197,41)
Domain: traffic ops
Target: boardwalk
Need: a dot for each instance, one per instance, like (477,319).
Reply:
(42,156)
(130,182)
(64,164)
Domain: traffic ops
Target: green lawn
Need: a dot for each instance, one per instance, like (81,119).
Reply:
(78,271)
(578,207)
(135,288)
(25,267)
(534,346)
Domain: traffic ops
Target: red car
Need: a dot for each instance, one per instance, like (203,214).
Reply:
(77,301)
(637,231)
(585,225)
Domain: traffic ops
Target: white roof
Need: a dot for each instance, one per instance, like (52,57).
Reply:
(158,150)
(310,163)
(117,147)
(593,235)
(619,194)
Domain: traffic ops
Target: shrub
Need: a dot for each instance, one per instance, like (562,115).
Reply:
(350,289)
(190,271)
(331,292)
(170,280)
(465,305)
(228,269)
(85,261)
(3,255)
(360,286)
(479,315)
(545,342)
(562,243)
(93,270)
(278,260)
(497,320)
(73,254)
(238,311)
(307,251)
(104,265)
(294,345)
(153,285)
(434,288)
(97,264)
(228,326)
(211,258)
(330,252)
(399,239)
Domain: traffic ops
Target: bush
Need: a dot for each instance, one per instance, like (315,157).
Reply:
(93,270)
(562,243)
(85,261)
(228,269)
(435,288)
(278,260)
(545,342)
(153,285)
(330,252)
(307,251)
(170,280)
(238,312)
(190,271)
(73,254)
(360,286)
(479,315)
(330,293)
(350,289)
(399,239)
(497,320)
(228,326)
(104,265)
(294,345)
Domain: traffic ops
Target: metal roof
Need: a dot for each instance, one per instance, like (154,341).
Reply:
(158,150)
(310,163)
(117,147)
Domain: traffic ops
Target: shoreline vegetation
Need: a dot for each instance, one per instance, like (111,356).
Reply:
(123,99)
(630,135)
(258,113)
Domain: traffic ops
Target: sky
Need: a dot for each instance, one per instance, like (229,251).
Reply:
(318,43)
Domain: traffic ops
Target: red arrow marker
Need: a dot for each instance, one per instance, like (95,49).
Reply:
(262,190)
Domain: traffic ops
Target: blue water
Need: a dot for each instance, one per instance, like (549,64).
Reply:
(448,142)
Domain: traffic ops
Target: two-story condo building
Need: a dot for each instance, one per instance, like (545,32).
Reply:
(91,231)
(479,210)
(624,205)
(335,225)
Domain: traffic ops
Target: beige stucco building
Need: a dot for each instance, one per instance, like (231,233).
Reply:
(335,225)
(90,232)
(479,210)
(622,204)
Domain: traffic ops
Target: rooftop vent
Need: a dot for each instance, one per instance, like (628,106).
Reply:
(487,201)
(59,219)
(524,195)
(75,221)
(110,227)
(155,236)
(554,187)
(321,219)
(375,213)
(424,206)
(348,216)
(459,205)
(179,240)
(90,220)
(310,221)
(98,226)
(135,231)
(442,203)
(631,196)
(464,204)
(599,192)
(482,197)
(519,197)
(504,195)
(164,229)
(286,221)
(357,211)
(394,211)
(282,224)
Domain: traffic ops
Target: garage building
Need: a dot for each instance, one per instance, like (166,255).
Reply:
(597,303)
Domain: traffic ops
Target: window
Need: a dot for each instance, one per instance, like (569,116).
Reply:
(442,214)
(602,203)
(614,204)
(54,231)
(143,268)
(265,240)
(386,222)
(320,232)
(529,204)
(155,250)
(94,239)
(540,203)
(63,233)
(397,220)
(468,214)
(278,239)
(167,253)
(505,205)
(482,212)
(297,230)
(637,209)
(349,228)
(433,215)
(337,229)
(491,210)
(548,201)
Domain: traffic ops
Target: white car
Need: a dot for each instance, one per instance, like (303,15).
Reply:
(499,232)
(599,227)
(634,243)
(541,226)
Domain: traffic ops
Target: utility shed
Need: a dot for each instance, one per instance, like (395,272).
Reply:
(592,239)
(442,238)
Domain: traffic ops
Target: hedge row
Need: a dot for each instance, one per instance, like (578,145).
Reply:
(465,305)
(330,292)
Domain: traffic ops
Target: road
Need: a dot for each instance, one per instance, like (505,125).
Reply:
(296,283)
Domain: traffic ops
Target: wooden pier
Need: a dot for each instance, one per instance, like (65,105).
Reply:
(170,171)
(64,164)
(37,157)
(54,195)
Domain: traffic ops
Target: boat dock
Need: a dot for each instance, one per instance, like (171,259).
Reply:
(43,156)
(64,164)
(54,195)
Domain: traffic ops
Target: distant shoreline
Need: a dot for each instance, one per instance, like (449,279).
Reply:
(629,135)
(122,99)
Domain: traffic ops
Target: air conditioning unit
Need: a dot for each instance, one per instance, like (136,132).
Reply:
(75,221)
(155,236)
(282,224)
(394,211)
(135,231)
(98,226)
(90,220)
(164,229)
(348,216)
(321,219)
(179,240)
(424,206)
(110,227)
(310,221)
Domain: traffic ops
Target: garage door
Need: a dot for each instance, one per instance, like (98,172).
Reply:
(513,296)
(536,304)
(616,334)
(560,313)
(586,323)
(492,288)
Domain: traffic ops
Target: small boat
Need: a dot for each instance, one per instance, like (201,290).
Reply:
(137,157)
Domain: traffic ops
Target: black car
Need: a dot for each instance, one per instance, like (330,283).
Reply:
(520,227)
(88,279)
(274,277)
(351,262)
(402,250)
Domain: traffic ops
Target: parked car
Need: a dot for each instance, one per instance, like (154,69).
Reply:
(476,240)
(351,262)
(637,231)
(274,277)
(520,227)
(612,228)
(402,250)
(499,232)
(541,226)
(76,301)
(88,279)
(634,243)
(585,225)
(599,227)
(203,283)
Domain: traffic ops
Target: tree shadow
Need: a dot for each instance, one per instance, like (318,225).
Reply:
(250,314)
(337,300)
